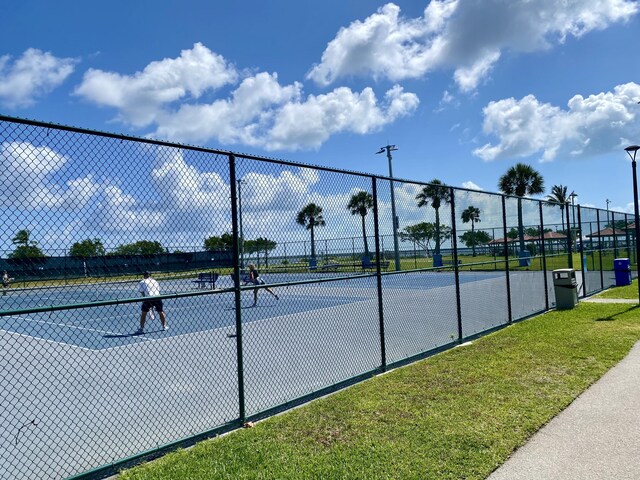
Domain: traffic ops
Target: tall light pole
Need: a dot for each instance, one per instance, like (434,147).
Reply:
(632,150)
(573,196)
(389,149)
(240,182)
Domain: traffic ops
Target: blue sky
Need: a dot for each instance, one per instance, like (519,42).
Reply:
(465,89)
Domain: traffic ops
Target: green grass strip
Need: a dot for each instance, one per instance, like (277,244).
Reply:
(457,415)
(629,291)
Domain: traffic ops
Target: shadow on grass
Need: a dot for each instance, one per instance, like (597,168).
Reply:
(611,318)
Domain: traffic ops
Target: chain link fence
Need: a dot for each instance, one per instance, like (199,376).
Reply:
(85,214)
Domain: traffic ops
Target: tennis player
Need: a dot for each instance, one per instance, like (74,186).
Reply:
(254,277)
(5,282)
(148,287)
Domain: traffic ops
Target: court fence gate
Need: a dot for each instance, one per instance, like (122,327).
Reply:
(85,213)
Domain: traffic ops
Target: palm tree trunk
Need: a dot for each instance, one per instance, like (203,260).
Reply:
(364,237)
(473,239)
(436,250)
(562,215)
(313,243)
(520,225)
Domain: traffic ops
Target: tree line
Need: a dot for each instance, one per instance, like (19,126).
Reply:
(520,180)
(26,247)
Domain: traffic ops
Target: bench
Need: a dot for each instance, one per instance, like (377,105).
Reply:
(384,265)
(206,279)
(328,267)
(451,262)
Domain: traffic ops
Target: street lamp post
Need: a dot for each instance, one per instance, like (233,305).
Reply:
(573,208)
(389,149)
(240,182)
(573,231)
(632,150)
(612,229)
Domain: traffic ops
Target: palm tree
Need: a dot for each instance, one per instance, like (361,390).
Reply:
(436,193)
(471,214)
(521,180)
(559,196)
(311,217)
(22,238)
(360,204)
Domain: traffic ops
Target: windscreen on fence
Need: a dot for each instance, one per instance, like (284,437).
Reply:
(155,293)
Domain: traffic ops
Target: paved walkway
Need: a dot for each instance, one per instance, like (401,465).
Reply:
(596,438)
(609,300)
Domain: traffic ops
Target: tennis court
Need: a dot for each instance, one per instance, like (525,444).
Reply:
(115,325)
(83,368)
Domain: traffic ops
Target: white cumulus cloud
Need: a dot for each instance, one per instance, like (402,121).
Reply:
(263,113)
(471,186)
(32,75)
(310,123)
(25,179)
(141,96)
(465,36)
(258,111)
(593,125)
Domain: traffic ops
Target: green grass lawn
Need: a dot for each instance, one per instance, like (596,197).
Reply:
(629,291)
(456,415)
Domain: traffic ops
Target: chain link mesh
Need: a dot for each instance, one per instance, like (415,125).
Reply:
(278,280)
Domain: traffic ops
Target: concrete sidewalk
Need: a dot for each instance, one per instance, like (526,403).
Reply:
(608,300)
(596,437)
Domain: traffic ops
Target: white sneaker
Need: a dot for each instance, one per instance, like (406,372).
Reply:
(165,328)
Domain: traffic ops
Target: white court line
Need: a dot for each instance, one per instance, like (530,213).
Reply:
(46,340)
(64,325)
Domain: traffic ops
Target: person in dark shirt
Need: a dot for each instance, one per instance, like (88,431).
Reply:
(254,277)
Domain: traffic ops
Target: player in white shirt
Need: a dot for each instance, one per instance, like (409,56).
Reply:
(148,287)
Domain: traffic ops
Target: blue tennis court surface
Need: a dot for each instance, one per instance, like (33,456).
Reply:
(113,326)
(185,380)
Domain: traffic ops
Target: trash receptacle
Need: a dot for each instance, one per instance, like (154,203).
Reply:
(565,287)
(622,267)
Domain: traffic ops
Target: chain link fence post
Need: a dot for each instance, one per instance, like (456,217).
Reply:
(600,247)
(506,256)
(544,258)
(236,284)
(376,233)
(456,270)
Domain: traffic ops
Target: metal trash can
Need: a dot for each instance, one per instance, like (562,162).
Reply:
(622,267)
(565,287)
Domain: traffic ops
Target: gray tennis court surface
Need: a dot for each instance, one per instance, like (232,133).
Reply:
(72,376)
